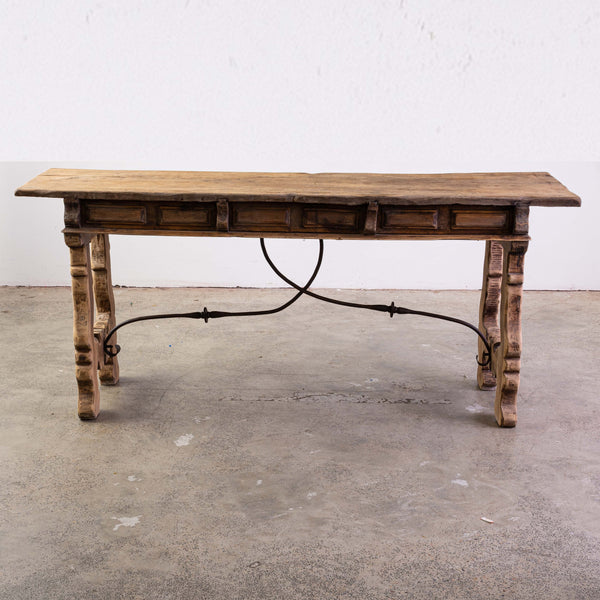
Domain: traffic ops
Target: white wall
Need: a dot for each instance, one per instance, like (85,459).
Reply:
(430,86)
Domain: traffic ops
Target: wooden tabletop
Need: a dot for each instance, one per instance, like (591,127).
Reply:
(487,189)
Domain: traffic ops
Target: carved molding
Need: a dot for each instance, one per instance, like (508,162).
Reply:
(86,357)
(508,354)
(105,306)
(489,310)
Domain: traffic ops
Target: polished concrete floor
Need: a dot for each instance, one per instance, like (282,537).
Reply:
(322,453)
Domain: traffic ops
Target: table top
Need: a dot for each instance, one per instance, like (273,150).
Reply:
(476,189)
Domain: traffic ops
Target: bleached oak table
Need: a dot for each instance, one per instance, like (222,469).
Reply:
(479,206)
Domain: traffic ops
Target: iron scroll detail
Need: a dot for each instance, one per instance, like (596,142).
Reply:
(205,314)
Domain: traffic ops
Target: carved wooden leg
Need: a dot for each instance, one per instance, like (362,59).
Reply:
(507,357)
(105,307)
(86,351)
(489,309)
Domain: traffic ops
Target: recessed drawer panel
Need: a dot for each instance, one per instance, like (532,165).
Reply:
(330,219)
(260,218)
(121,215)
(479,219)
(193,216)
(405,218)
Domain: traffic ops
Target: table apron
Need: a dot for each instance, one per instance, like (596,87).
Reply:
(370,220)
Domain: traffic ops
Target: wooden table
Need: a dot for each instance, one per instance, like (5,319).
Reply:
(480,206)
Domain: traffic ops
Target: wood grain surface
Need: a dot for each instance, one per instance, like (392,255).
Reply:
(489,310)
(506,361)
(535,189)
(105,307)
(86,348)
(490,206)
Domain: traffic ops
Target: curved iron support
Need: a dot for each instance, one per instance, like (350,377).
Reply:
(216,314)
(391,309)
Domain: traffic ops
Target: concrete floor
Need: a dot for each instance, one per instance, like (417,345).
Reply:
(322,453)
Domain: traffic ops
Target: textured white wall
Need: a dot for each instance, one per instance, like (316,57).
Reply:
(322,85)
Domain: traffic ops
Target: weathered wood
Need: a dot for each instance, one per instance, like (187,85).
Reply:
(187,215)
(477,219)
(507,358)
(394,218)
(489,309)
(371,218)
(110,213)
(299,219)
(332,219)
(72,212)
(183,231)
(222,215)
(86,353)
(105,306)
(521,224)
(77,237)
(483,189)
(477,206)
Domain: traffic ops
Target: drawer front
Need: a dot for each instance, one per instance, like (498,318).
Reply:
(479,220)
(394,219)
(220,216)
(330,219)
(255,217)
(186,216)
(105,214)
